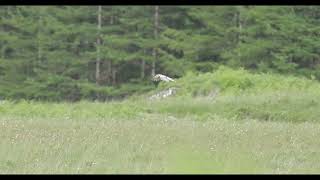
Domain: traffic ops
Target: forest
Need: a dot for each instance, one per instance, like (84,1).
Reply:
(70,53)
(80,90)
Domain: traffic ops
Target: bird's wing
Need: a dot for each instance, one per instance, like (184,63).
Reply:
(170,79)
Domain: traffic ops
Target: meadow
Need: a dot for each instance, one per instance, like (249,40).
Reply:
(257,123)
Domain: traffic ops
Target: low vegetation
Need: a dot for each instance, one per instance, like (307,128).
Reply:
(257,123)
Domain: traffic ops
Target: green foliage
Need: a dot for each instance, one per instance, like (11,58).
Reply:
(257,123)
(230,81)
(50,52)
(240,94)
(291,107)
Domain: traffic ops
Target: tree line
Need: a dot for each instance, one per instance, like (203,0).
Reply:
(102,52)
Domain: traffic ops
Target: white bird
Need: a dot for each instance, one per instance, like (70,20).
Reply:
(160,77)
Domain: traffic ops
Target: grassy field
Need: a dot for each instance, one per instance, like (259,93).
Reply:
(168,136)
(253,130)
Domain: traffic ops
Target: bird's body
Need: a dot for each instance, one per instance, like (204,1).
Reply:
(164,93)
(160,77)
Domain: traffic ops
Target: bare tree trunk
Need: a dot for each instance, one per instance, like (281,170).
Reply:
(156,26)
(98,46)
(111,19)
(3,51)
(109,71)
(114,76)
(153,67)
(109,63)
(239,24)
(143,64)
(39,38)
(39,46)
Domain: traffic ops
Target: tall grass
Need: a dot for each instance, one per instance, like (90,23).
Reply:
(285,106)
(157,144)
(251,126)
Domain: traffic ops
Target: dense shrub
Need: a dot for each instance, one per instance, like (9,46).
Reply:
(230,81)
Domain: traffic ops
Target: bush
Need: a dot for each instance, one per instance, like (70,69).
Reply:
(230,81)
